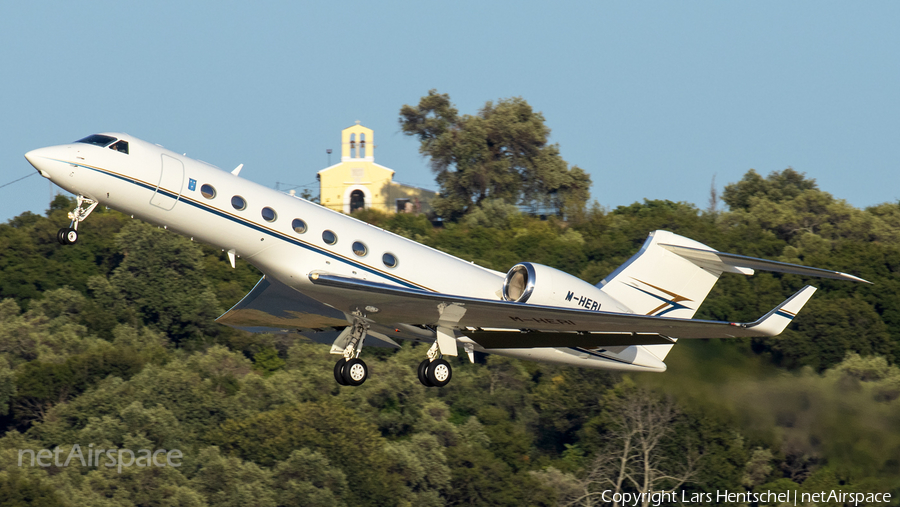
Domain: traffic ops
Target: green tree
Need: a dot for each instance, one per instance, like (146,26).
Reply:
(228,481)
(162,276)
(500,153)
(307,478)
(777,187)
(352,445)
(19,490)
(7,386)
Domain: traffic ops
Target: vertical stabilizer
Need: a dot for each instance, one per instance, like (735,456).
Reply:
(659,282)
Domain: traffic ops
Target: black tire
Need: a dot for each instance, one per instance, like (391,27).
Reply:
(355,372)
(61,236)
(439,373)
(339,371)
(71,236)
(423,373)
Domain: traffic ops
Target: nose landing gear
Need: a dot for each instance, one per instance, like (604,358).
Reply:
(69,235)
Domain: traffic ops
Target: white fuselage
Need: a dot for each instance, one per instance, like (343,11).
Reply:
(164,188)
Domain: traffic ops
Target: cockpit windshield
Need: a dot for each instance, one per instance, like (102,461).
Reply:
(120,146)
(98,140)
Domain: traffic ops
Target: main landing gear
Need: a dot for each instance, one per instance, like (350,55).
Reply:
(350,370)
(434,371)
(69,235)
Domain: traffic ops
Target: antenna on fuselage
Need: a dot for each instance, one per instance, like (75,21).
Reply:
(237,170)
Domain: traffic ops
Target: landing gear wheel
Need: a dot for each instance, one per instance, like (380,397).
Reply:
(355,372)
(423,373)
(439,373)
(69,236)
(339,371)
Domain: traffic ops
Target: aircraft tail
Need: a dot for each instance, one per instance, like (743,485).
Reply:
(657,281)
(671,276)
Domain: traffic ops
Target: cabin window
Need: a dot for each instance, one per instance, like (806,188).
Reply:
(269,214)
(359,248)
(98,140)
(121,147)
(207,190)
(329,237)
(238,203)
(389,260)
(299,226)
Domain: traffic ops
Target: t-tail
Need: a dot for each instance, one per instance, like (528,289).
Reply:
(671,276)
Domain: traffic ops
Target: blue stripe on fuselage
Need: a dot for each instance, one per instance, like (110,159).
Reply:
(250,224)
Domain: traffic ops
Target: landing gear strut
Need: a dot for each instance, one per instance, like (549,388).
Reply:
(69,235)
(350,370)
(434,371)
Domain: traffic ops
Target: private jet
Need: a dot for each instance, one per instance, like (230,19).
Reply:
(338,280)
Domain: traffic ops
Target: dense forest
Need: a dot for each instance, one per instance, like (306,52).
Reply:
(111,344)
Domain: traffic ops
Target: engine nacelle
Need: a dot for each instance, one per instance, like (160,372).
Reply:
(537,284)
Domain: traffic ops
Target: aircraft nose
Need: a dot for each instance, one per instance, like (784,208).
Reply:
(40,160)
(31,156)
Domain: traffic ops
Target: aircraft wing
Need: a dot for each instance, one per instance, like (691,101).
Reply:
(272,307)
(545,326)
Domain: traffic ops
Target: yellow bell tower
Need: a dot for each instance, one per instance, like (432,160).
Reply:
(357,142)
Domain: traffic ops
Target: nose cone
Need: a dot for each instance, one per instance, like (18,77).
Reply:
(41,160)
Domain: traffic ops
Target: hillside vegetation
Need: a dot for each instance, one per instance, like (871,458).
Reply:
(111,343)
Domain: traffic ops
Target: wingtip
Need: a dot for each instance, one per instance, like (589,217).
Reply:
(774,322)
(853,278)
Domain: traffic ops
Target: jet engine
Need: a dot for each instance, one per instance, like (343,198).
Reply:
(537,284)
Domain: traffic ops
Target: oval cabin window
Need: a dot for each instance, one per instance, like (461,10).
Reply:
(299,226)
(389,260)
(269,214)
(359,248)
(238,203)
(207,191)
(329,237)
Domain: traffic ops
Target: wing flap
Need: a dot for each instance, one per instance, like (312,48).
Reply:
(516,339)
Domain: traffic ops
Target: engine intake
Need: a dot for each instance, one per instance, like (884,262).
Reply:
(542,285)
(519,283)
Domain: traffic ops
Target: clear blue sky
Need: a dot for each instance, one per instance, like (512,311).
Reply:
(651,98)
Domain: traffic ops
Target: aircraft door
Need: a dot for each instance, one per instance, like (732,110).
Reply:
(171,180)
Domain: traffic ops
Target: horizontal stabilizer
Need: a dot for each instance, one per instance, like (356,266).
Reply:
(724,261)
